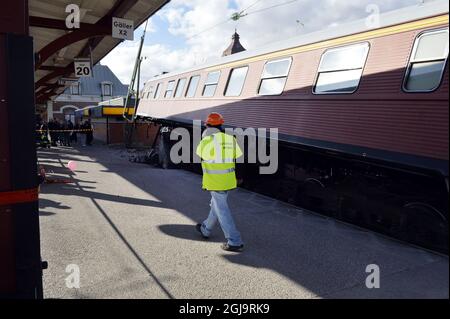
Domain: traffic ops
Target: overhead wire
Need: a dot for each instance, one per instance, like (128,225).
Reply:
(210,28)
(252,5)
(271,7)
(241,14)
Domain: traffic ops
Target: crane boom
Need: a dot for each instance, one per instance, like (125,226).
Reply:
(135,79)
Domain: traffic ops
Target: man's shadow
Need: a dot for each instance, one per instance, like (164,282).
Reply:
(190,233)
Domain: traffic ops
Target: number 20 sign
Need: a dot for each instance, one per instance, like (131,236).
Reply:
(83,68)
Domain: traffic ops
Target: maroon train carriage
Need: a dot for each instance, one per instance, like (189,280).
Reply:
(362,116)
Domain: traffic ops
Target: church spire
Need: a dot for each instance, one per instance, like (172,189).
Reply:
(235,45)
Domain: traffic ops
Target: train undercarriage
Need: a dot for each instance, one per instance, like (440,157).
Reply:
(407,205)
(401,204)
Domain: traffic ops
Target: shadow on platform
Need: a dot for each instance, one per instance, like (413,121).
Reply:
(317,253)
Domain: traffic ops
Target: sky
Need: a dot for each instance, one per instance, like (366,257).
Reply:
(189,32)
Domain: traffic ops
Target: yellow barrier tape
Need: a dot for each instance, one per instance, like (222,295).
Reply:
(78,130)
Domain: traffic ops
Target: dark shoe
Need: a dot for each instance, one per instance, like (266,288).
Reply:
(199,229)
(232,248)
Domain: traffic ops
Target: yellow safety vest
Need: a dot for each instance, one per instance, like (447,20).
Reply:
(218,153)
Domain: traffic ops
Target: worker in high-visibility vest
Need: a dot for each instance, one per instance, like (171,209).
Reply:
(218,152)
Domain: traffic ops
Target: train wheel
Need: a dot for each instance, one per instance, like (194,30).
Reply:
(425,225)
(311,194)
(350,210)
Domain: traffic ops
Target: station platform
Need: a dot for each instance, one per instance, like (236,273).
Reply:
(130,228)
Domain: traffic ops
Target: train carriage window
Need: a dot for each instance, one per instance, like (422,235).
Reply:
(180,87)
(340,69)
(192,86)
(427,63)
(274,77)
(236,81)
(150,92)
(157,91)
(211,84)
(75,89)
(169,89)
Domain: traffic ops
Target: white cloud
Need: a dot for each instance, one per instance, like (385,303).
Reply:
(158,58)
(151,28)
(192,20)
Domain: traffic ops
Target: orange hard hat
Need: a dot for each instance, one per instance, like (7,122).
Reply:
(215,119)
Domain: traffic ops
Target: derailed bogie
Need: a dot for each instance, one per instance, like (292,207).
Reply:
(408,205)
(405,205)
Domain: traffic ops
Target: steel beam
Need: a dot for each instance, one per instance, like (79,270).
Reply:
(103,27)
(54,74)
(40,22)
(50,68)
(68,39)
(120,8)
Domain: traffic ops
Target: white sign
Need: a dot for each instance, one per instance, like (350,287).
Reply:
(83,68)
(122,28)
(67,81)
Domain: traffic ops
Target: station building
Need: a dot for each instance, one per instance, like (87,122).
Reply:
(86,92)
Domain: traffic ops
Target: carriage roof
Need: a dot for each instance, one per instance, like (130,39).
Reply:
(391,18)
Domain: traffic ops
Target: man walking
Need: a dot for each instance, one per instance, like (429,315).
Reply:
(218,152)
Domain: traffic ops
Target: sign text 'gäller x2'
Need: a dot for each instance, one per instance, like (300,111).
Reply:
(122,28)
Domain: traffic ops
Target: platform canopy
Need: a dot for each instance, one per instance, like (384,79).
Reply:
(56,46)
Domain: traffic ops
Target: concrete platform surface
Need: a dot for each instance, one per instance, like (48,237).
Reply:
(129,229)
